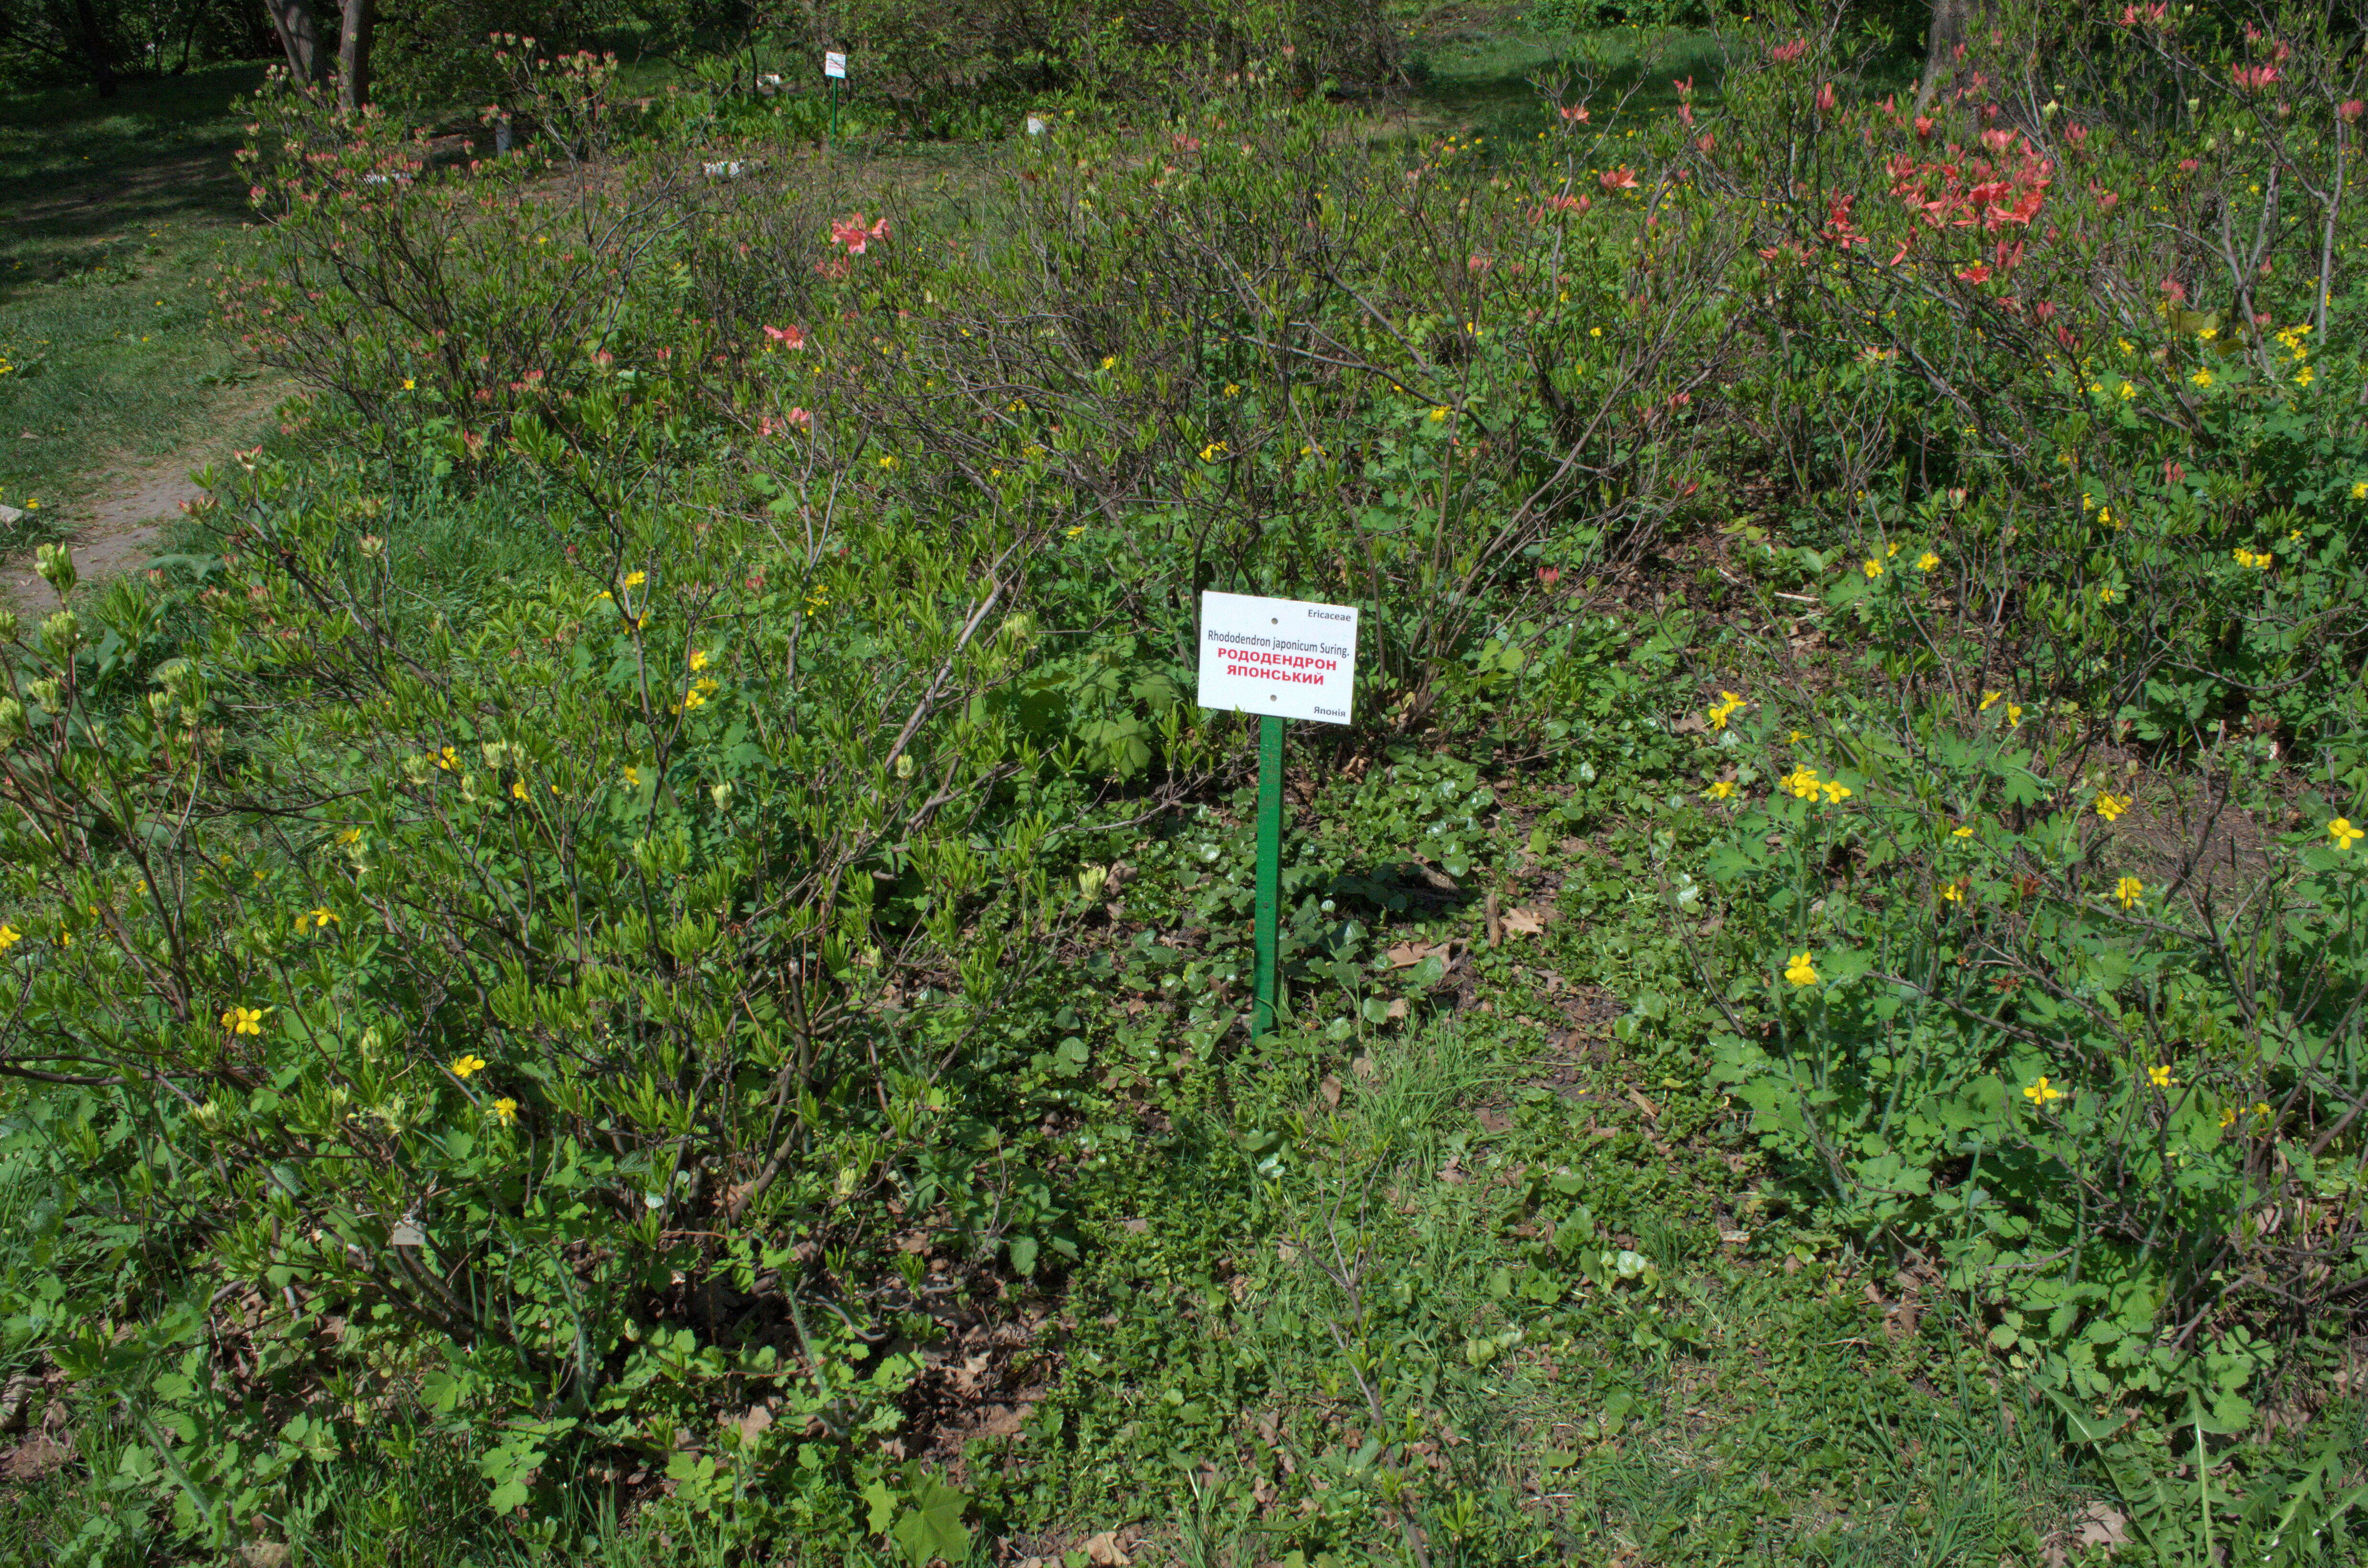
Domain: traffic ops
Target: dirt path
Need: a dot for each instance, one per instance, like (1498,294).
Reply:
(128,511)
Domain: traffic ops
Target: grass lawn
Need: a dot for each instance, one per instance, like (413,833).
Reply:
(118,213)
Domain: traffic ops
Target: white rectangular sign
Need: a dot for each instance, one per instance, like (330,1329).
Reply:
(1287,657)
(834,64)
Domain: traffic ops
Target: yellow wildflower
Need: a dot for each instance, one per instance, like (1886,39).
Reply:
(2129,889)
(1989,698)
(2344,834)
(2202,380)
(2042,1092)
(1803,782)
(635,579)
(699,658)
(1872,568)
(243,1021)
(1722,791)
(465,1066)
(1438,415)
(2110,806)
(504,1110)
(1926,561)
(1801,971)
(1719,712)
(2159,1077)
(1836,792)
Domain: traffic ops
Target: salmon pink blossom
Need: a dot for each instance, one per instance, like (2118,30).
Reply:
(851,232)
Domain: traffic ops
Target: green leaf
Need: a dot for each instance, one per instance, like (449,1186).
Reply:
(933,1526)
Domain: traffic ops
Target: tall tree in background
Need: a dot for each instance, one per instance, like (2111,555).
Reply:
(99,50)
(1949,20)
(309,59)
(354,39)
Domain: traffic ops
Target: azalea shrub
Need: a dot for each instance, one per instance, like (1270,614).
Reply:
(550,923)
(2064,399)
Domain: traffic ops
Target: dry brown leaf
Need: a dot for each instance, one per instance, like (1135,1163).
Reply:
(1527,919)
(1104,1550)
(1641,1103)
(1396,1009)
(1329,1088)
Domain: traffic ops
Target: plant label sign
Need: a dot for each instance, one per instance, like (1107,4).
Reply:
(1288,658)
(834,64)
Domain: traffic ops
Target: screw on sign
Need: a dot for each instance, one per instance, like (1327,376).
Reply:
(1279,659)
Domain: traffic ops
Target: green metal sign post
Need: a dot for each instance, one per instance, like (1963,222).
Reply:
(1269,869)
(1279,659)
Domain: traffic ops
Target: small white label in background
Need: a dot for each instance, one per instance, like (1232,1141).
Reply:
(1288,657)
(834,64)
(1035,125)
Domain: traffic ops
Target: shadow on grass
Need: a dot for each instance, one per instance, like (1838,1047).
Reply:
(74,168)
(1486,78)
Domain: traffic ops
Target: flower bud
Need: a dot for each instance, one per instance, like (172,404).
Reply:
(12,720)
(722,795)
(373,547)
(60,633)
(160,703)
(55,564)
(45,692)
(8,626)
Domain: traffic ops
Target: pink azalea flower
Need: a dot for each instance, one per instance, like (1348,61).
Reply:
(851,232)
(1826,98)
(1785,53)
(792,336)
(1574,113)
(1621,178)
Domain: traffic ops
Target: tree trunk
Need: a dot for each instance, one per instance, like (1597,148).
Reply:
(354,53)
(299,27)
(95,51)
(1951,19)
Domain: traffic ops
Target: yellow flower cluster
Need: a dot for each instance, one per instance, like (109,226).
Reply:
(243,1021)
(1719,712)
(2259,560)
(2129,889)
(1801,971)
(1722,791)
(2041,1093)
(2110,806)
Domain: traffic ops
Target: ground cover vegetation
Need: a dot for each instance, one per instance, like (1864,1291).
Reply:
(639,953)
